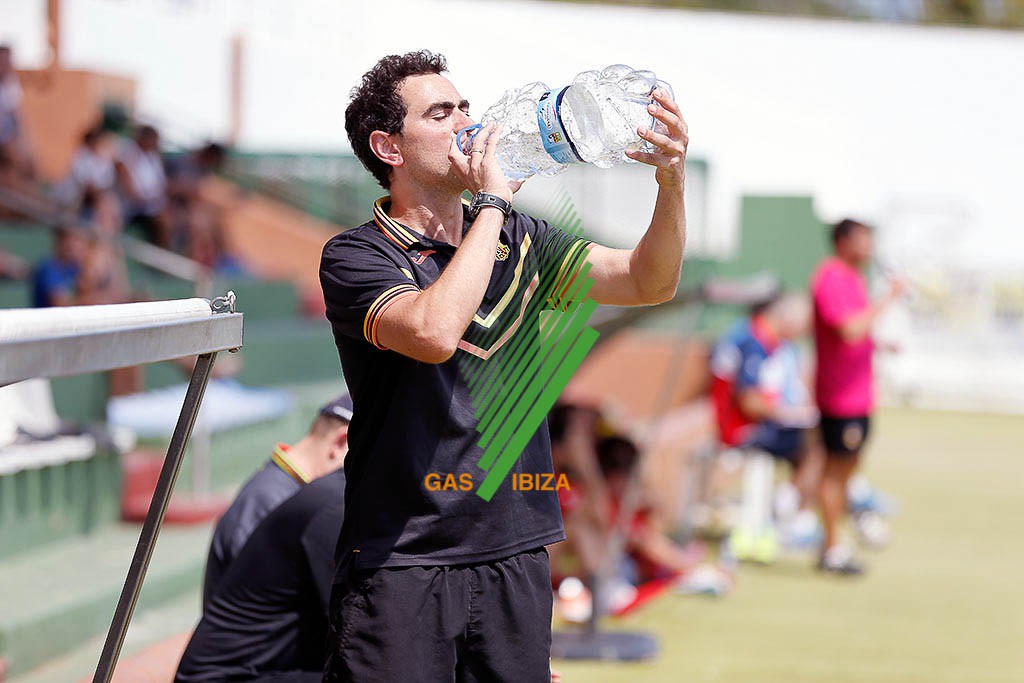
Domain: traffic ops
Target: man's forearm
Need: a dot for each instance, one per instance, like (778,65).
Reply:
(655,263)
(446,307)
(858,327)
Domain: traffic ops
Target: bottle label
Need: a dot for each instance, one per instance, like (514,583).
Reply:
(552,132)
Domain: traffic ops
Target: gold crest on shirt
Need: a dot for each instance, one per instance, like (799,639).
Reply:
(501,254)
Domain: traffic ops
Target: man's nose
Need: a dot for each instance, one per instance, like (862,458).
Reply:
(462,119)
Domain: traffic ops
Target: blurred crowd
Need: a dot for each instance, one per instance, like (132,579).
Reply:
(115,183)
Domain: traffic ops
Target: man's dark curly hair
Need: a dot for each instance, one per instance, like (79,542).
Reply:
(846,227)
(376,104)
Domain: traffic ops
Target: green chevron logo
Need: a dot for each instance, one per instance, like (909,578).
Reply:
(515,389)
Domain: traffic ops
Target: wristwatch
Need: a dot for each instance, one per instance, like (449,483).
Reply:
(482,200)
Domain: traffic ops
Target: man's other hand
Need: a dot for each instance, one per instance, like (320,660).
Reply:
(671,145)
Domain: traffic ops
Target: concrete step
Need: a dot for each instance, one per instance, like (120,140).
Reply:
(150,630)
(58,597)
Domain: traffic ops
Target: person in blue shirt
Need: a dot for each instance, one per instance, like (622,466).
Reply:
(55,280)
(759,364)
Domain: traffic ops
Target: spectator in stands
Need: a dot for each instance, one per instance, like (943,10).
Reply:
(104,274)
(92,170)
(192,219)
(16,167)
(267,620)
(844,317)
(320,452)
(186,173)
(103,278)
(55,282)
(206,241)
(143,185)
(763,407)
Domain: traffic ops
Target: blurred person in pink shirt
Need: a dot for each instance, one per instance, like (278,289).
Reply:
(844,317)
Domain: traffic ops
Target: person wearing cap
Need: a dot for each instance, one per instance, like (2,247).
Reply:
(267,619)
(321,451)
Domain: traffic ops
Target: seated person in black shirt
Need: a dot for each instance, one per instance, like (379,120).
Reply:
(320,452)
(267,620)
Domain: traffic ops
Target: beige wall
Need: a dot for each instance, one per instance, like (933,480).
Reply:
(59,105)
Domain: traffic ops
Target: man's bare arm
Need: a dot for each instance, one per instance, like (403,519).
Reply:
(858,327)
(649,273)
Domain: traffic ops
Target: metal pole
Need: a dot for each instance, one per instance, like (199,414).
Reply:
(154,519)
(201,439)
(201,435)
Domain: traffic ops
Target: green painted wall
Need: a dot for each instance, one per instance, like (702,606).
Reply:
(781,235)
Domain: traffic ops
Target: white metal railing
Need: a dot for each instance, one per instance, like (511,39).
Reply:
(72,340)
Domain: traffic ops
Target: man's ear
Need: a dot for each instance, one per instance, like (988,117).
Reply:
(385,148)
(339,442)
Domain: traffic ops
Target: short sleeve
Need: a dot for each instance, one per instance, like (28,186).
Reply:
(748,375)
(562,255)
(834,300)
(51,284)
(360,282)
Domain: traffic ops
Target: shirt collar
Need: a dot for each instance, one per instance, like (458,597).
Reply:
(404,236)
(392,229)
(280,458)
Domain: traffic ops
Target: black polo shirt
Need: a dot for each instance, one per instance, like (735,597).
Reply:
(269,613)
(275,483)
(413,420)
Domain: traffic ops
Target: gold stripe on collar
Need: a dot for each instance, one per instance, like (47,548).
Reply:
(392,229)
(280,458)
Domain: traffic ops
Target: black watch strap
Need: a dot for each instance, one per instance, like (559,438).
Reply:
(485,199)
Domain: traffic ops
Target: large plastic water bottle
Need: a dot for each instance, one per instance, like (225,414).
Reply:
(592,120)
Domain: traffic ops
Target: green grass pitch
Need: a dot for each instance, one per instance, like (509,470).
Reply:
(944,604)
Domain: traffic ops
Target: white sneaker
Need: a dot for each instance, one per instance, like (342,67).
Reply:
(839,560)
(574,603)
(872,530)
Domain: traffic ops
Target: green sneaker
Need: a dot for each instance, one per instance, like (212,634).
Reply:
(766,547)
(742,546)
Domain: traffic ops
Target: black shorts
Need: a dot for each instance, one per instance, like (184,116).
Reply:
(478,622)
(844,436)
(781,443)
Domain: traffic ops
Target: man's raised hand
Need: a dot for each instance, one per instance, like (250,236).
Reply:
(670,157)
